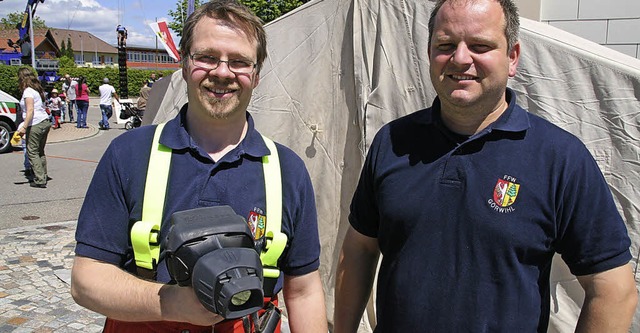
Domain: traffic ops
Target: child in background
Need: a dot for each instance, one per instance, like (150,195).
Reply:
(55,103)
(63,107)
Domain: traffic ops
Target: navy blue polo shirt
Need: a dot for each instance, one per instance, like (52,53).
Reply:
(114,198)
(468,226)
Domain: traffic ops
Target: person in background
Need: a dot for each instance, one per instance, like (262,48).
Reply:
(469,200)
(122,35)
(63,107)
(82,101)
(141,103)
(152,79)
(54,103)
(216,160)
(107,94)
(36,124)
(69,87)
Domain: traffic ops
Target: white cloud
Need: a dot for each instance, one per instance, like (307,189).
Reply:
(100,17)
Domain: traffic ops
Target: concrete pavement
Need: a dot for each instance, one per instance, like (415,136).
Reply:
(37,229)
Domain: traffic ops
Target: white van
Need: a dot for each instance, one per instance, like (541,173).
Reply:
(10,117)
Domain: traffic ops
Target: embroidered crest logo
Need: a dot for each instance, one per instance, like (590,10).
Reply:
(505,192)
(257,222)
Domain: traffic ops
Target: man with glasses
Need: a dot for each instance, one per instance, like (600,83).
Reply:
(216,160)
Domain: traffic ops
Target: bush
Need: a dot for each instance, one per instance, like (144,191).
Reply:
(136,78)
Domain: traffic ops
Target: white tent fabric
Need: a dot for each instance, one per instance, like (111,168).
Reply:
(338,70)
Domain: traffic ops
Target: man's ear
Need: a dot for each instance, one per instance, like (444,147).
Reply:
(514,57)
(184,72)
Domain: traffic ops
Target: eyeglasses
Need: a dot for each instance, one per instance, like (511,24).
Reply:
(210,62)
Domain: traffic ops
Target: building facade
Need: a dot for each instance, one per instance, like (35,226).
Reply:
(612,23)
(89,50)
(140,57)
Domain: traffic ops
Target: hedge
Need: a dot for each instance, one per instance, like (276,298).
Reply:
(135,78)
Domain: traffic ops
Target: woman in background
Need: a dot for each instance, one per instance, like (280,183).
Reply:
(82,101)
(36,124)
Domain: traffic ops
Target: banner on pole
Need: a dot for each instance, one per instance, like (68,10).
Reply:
(162,32)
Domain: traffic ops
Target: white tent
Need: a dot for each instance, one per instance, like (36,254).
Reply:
(338,70)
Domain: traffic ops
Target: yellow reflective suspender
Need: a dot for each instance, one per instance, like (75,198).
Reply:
(145,238)
(276,240)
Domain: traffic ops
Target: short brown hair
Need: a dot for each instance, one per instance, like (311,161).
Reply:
(511,18)
(232,12)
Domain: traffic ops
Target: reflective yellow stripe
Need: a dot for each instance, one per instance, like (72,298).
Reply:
(145,233)
(155,187)
(275,239)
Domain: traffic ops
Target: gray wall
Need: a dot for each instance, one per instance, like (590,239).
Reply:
(613,23)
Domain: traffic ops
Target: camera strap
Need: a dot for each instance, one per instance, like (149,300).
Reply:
(145,234)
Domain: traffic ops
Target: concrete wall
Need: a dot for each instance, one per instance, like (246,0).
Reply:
(613,23)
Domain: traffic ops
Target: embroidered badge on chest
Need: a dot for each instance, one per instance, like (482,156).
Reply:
(257,222)
(505,193)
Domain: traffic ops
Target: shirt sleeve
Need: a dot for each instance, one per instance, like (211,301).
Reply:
(110,205)
(299,217)
(592,236)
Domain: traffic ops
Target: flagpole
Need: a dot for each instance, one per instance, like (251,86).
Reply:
(33,41)
(156,58)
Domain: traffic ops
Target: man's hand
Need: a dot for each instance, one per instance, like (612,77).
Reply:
(183,304)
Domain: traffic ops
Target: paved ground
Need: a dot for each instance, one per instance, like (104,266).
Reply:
(37,256)
(34,281)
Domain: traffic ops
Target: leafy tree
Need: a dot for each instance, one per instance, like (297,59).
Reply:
(180,16)
(12,20)
(267,10)
(66,62)
(63,49)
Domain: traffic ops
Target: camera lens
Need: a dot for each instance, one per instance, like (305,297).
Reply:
(241,298)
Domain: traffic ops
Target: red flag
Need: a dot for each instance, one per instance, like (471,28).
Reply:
(162,31)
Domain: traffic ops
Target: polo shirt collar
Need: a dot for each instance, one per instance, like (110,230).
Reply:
(176,137)
(513,119)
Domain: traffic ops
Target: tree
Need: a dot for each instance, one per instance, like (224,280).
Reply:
(180,16)
(267,10)
(63,49)
(14,19)
(69,52)
(66,62)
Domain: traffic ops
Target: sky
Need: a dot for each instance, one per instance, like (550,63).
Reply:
(101,17)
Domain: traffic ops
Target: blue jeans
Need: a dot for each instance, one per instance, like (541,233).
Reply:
(83,107)
(107,112)
(27,164)
(63,110)
(70,106)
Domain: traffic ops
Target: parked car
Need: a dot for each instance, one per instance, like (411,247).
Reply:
(10,118)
